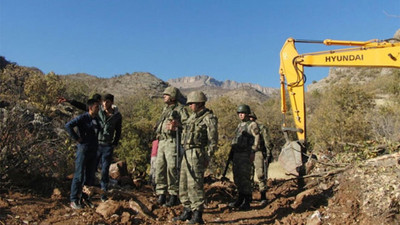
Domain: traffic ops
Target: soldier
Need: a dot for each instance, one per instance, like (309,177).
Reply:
(244,144)
(200,138)
(262,158)
(173,116)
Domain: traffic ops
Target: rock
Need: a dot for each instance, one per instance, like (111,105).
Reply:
(107,209)
(125,218)
(118,169)
(315,219)
(56,194)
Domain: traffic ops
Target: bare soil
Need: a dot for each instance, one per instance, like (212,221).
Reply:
(367,193)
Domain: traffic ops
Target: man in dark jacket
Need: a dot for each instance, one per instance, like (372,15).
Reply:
(85,163)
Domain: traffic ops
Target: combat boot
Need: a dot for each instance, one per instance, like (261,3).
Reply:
(238,202)
(186,215)
(263,199)
(246,203)
(197,218)
(173,200)
(161,199)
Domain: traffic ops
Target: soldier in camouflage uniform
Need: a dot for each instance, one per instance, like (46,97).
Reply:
(244,145)
(200,138)
(173,116)
(262,158)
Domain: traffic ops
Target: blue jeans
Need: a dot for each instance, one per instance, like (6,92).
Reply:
(85,168)
(104,158)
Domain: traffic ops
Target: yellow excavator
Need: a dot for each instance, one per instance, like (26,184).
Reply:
(373,53)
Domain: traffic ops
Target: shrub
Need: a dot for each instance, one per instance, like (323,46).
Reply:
(340,116)
(139,115)
(43,90)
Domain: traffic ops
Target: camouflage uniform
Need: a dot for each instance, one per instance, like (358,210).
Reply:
(264,153)
(199,140)
(166,168)
(245,143)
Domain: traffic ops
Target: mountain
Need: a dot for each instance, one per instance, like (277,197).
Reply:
(123,85)
(213,88)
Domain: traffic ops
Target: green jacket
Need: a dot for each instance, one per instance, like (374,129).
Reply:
(111,128)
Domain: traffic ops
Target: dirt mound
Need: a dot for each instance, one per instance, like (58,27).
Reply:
(367,193)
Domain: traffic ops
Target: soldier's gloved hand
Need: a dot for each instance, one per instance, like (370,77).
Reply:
(173,125)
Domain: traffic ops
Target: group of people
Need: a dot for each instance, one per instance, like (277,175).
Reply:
(189,142)
(186,143)
(99,132)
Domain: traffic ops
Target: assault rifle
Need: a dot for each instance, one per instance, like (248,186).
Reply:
(178,150)
(265,166)
(230,158)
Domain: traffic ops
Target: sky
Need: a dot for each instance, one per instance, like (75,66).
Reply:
(236,40)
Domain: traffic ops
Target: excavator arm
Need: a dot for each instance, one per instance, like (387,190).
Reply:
(372,53)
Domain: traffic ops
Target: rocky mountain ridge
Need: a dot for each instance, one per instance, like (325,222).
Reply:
(149,84)
(207,81)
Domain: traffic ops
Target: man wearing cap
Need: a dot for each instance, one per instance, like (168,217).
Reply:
(173,116)
(199,140)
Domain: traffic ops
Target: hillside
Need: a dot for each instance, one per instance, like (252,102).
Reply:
(147,83)
(36,159)
(123,85)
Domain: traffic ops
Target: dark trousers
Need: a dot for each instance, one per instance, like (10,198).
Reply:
(85,168)
(104,158)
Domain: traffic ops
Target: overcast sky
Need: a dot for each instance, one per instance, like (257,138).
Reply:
(236,40)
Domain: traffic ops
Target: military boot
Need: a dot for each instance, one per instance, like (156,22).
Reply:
(238,202)
(173,200)
(246,203)
(263,199)
(197,218)
(161,199)
(186,215)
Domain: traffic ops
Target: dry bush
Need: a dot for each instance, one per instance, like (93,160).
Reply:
(340,116)
(43,90)
(31,150)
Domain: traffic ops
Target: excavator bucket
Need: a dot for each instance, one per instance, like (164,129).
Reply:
(290,157)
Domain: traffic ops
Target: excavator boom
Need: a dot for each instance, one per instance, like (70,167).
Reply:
(371,53)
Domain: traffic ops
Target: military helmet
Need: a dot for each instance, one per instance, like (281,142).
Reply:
(171,91)
(253,115)
(243,109)
(196,96)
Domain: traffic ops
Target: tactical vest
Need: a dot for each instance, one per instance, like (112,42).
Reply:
(244,138)
(196,132)
(168,114)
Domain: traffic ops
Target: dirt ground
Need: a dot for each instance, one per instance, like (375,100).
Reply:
(368,193)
